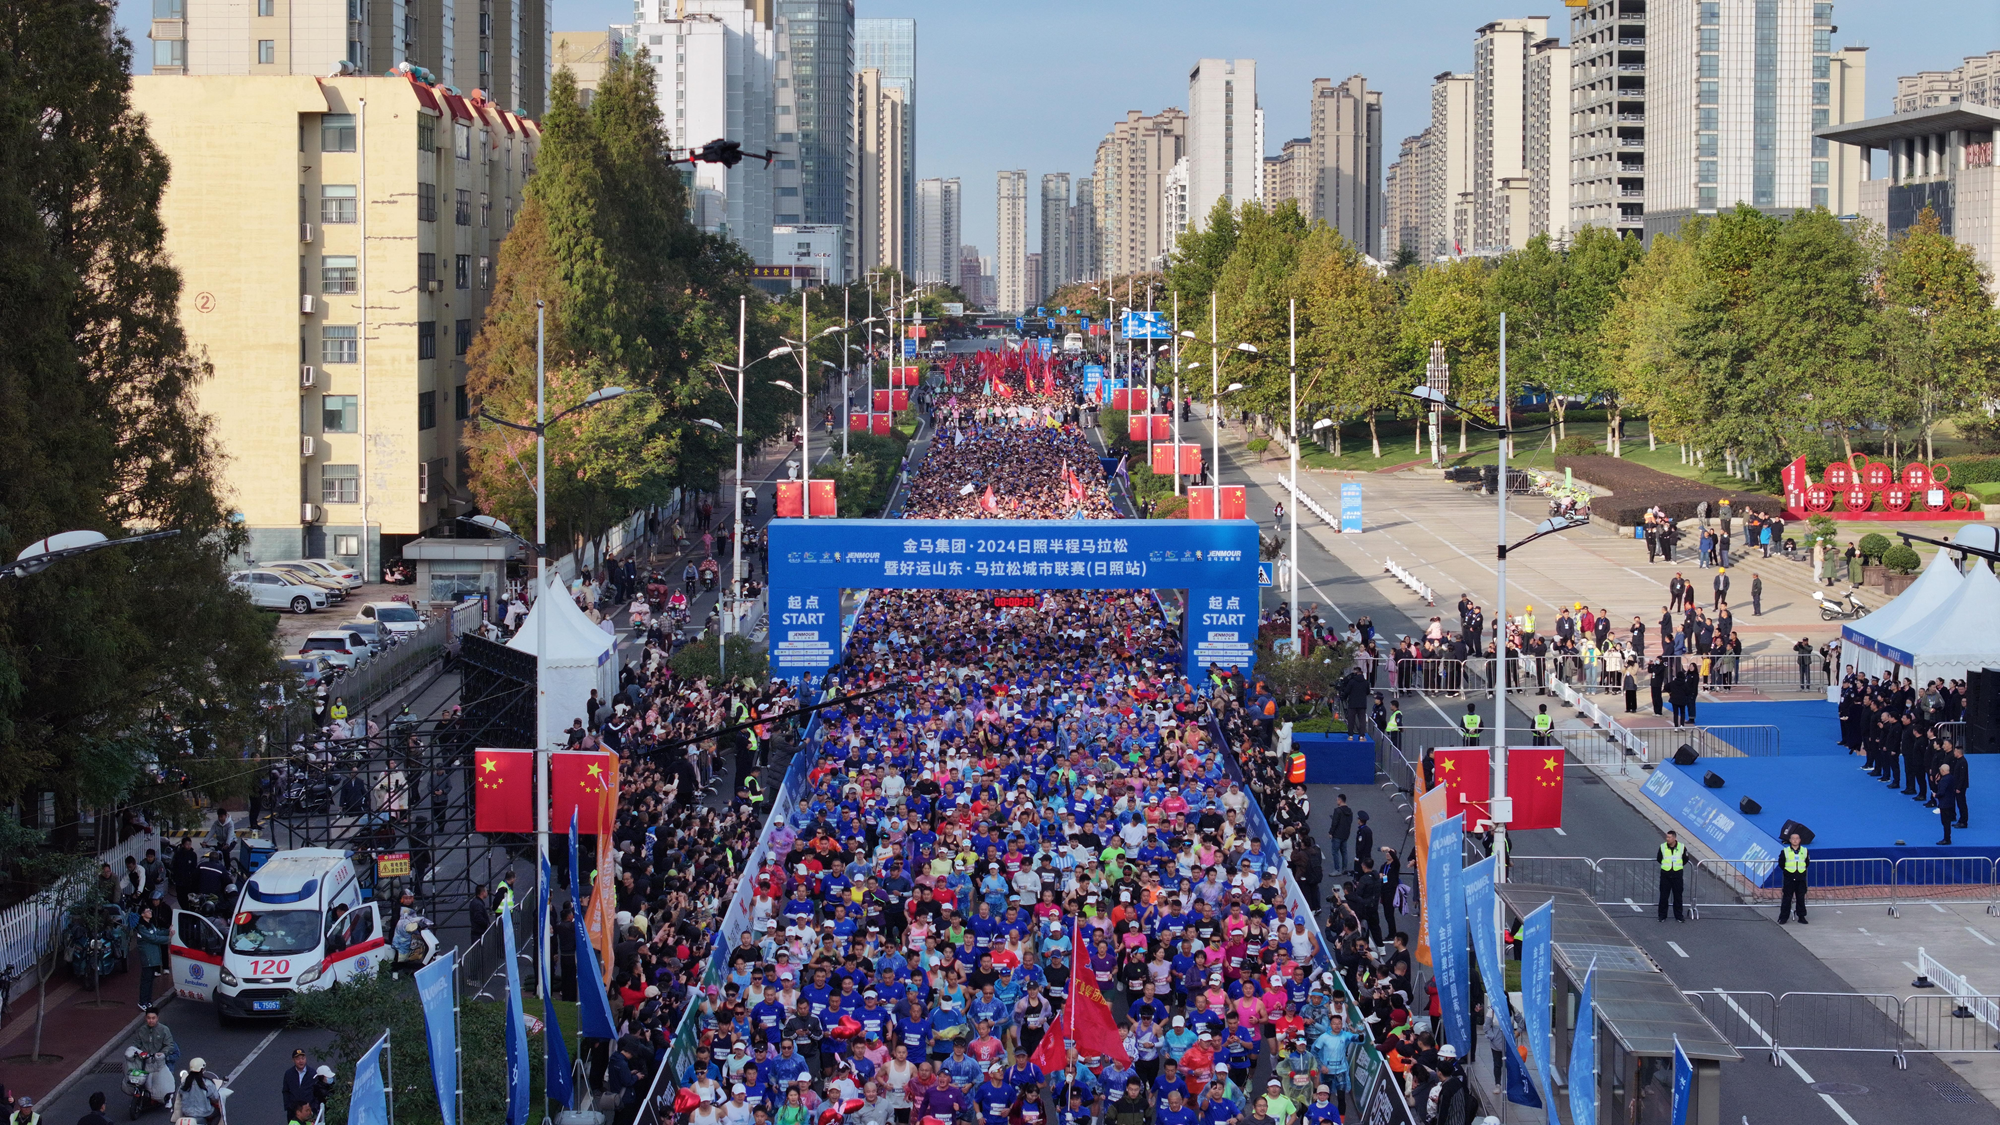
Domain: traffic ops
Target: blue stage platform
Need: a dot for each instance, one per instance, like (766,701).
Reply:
(1852,815)
(1810,726)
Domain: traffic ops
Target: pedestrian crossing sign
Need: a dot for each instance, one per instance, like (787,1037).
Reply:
(1266,575)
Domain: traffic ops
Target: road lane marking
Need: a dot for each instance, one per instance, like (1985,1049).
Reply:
(1783,1057)
(1634,906)
(252,1056)
(1980,936)
(1675,946)
(1939,909)
(1560,832)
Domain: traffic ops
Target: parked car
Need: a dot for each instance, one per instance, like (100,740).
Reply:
(336,590)
(348,577)
(278,590)
(343,648)
(373,632)
(397,617)
(312,668)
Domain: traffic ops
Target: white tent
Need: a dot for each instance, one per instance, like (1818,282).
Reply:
(1957,635)
(1860,641)
(581,657)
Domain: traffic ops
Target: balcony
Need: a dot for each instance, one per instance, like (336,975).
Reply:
(1632,67)
(1635,118)
(1624,41)
(1632,144)
(168,29)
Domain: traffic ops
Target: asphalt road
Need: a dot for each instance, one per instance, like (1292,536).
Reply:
(1734,949)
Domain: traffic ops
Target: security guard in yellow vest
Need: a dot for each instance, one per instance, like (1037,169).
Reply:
(1471,722)
(1528,622)
(1673,859)
(1394,728)
(1792,861)
(1544,723)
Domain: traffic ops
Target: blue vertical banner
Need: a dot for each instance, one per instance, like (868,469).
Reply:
(1442,873)
(438,995)
(1583,1056)
(369,1103)
(558,1080)
(1537,995)
(1683,1083)
(1350,507)
(593,1009)
(1221,630)
(1480,904)
(517,1028)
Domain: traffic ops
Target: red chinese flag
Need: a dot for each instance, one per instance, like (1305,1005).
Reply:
(1163,459)
(856,421)
(881,402)
(1535,781)
(901,399)
(1467,777)
(505,801)
(879,424)
(823,500)
(791,502)
(578,781)
(1086,1018)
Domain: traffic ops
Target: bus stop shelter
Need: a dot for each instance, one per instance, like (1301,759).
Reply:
(1640,1013)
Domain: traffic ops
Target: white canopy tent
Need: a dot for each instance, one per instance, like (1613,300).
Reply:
(580,658)
(1956,635)
(1938,582)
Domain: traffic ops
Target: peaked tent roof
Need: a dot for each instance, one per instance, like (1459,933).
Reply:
(1959,632)
(1938,582)
(571,636)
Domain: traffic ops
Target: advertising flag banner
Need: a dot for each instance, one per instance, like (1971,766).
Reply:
(593,1008)
(1430,813)
(1583,1057)
(1683,1083)
(1444,862)
(561,1085)
(1480,905)
(517,1029)
(369,1102)
(1537,988)
(436,995)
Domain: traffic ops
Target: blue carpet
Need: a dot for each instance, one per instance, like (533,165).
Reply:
(1809,726)
(1852,814)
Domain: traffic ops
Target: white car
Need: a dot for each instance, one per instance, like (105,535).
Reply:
(346,576)
(274,590)
(396,617)
(343,648)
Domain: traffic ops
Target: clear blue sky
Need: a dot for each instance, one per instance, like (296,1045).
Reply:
(1035,84)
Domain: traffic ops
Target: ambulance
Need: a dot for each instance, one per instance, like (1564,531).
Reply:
(285,934)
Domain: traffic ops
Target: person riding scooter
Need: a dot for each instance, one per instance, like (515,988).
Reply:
(200,1095)
(408,940)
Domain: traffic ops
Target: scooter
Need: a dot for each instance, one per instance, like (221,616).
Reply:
(1839,610)
(708,574)
(219,1115)
(418,947)
(148,1082)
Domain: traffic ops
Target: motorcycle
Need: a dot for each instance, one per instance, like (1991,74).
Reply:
(416,946)
(1841,609)
(148,1082)
(708,574)
(95,951)
(677,608)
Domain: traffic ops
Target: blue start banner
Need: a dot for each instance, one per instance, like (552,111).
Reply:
(812,561)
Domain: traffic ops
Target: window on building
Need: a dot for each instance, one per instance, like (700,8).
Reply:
(336,132)
(462,208)
(461,140)
(1819,197)
(1709,66)
(169,52)
(462,272)
(169,9)
(347,546)
(788,191)
(1705,145)
(461,404)
(340,484)
(339,273)
(338,414)
(427,203)
(1820,147)
(787,164)
(427,133)
(462,336)
(1706,93)
(1819,171)
(336,203)
(427,410)
(485,209)
(267,7)
(1822,93)
(1822,66)
(339,343)
(485,272)
(427,339)
(1704,198)
(427,271)
(1822,40)
(1704,171)
(267,51)
(1711,13)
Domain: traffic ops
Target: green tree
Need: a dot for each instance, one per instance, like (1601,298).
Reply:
(1938,326)
(1347,345)
(1448,303)
(1195,268)
(1254,291)
(100,430)
(1556,297)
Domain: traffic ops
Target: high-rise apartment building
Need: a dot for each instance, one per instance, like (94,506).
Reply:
(1500,205)
(715,66)
(499,47)
(588,53)
(815,127)
(1546,137)
(1031,269)
(937,230)
(1345,170)
(1010,266)
(975,279)
(1735,89)
(1976,82)
(1225,144)
(365,268)
(1175,217)
(1403,194)
(1056,259)
(878,176)
(1450,167)
(1128,182)
(1085,239)
(1607,115)
(890,46)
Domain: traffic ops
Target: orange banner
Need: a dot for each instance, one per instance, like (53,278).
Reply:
(601,918)
(1430,812)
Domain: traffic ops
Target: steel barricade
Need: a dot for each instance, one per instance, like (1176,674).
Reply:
(1942,1022)
(1943,879)
(1735,742)
(1857,881)
(1598,748)
(1844,1022)
(1439,677)
(1745,1019)
(1575,872)
(1624,881)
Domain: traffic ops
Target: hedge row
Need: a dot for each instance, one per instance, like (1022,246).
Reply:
(1636,488)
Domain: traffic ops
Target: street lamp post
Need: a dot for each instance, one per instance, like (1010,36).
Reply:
(42,554)
(731,594)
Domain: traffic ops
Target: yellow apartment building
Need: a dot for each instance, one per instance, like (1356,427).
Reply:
(337,239)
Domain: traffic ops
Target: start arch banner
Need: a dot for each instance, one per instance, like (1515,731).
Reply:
(812,561)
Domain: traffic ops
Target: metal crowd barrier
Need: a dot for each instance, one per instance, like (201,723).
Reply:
(1430,676)
(1857,1023)
(1717,884)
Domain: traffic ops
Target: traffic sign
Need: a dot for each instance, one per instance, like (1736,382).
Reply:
(1138,325)
(909,348)
(1265,575)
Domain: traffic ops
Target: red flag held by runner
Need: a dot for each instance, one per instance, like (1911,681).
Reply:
(987,502)
(1086,1018)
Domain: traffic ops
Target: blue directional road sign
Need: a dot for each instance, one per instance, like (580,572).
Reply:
(909,349)
(1138,325)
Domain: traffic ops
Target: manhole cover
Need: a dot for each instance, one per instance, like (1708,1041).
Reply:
(1838,1088)
(1951,1092)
